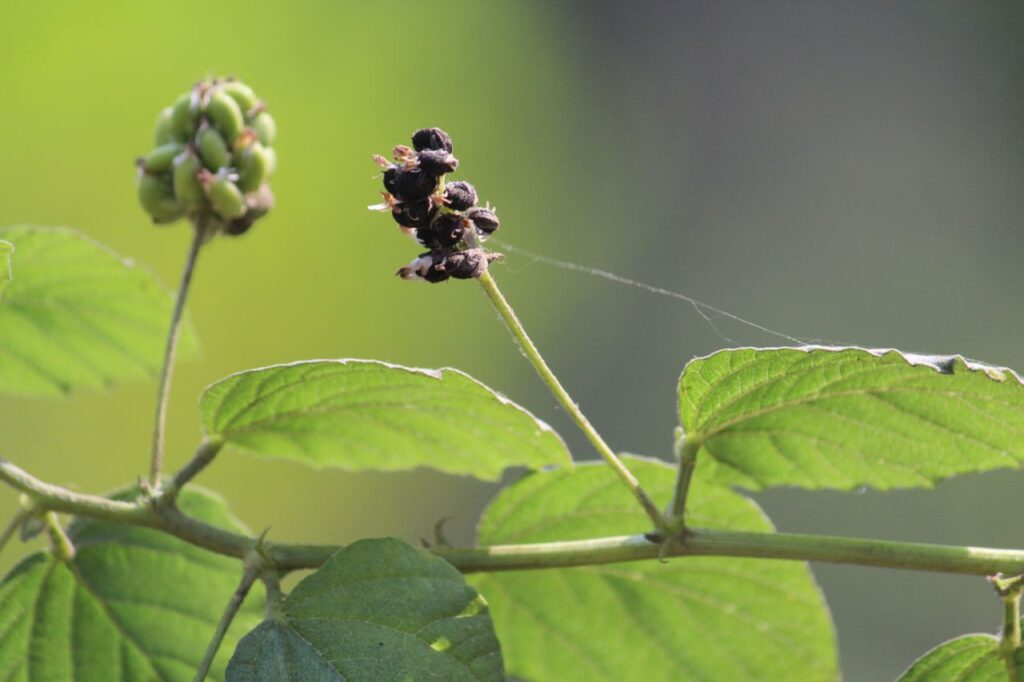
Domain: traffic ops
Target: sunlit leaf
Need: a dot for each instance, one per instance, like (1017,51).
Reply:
(693,618)
(378,610)
(133,605)
(77,316)
(846,417)
(971,658)
(356,415)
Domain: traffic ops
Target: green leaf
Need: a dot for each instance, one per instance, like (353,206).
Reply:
(377,610)
(693,618)
(77,316)
(971,658)
(846,417)
(134,604)
(356,414)
(6,249)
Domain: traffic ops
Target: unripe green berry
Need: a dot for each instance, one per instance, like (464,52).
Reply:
(241,93)
(225,113)
(265,127)
(157,198)
(159,159)
(253,167)
(163,126)
(225,197)
(184,119)
(185,180)
(213,148)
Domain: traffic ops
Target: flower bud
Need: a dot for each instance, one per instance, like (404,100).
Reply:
(213,148)
(225,197)
(241,93)
(157,198)
(253,167)
(459,195)
(444,232)
(185,180)
(431,138)
(163,127)
(484,220)
(184,118)
(265,127)
(160,158)
(412,184)
(225,113)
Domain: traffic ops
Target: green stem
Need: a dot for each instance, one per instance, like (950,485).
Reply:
(202,458)
(506,312)
(249,575)
(1009,590)
(697,542)
(59,541)
(164,390)
(12,526)
(686,453)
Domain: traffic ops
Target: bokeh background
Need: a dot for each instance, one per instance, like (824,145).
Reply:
(850,172)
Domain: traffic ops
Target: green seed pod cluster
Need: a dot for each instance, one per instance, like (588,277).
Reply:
(213,158)
(443,217)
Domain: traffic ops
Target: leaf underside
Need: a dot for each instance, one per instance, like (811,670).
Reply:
(377,611)
(846,417)
(134,605)
(971,658)
(77,316)
(357,415)
(694,618)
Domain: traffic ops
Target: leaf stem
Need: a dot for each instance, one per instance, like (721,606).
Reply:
(253,566)
(506,312)
(203,457)
(686,453)
(166,374)
(59,541)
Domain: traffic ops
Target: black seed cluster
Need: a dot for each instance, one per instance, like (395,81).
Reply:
(442,216)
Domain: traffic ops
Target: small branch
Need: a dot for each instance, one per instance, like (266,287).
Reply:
(253,567)
(686,453)
(12,526)
(164,390)
(506,312)
(1009,591)
(205,454)
(59,541)
(697,542)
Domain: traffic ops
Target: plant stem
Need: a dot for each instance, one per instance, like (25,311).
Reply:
(164,389)
(686,453)
(697,542)
(249,575)
(204,455)
(506,312)
(1009,591)
(59,541)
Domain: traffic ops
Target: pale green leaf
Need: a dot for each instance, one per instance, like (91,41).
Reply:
(692,618)
(376,611)
(134,605)
(77,316)
(6,249)
(846,417)
(356,414)
(971,658)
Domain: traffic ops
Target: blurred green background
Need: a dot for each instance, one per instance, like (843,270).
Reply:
(843,171)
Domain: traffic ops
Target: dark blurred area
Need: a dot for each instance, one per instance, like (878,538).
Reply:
(841,172)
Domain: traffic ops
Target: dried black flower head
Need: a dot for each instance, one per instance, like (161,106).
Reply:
(212,160)
(442,216)
(431,138)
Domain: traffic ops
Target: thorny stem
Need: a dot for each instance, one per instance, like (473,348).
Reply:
(506,312)
(979,561)
(164,390)
(253,567)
